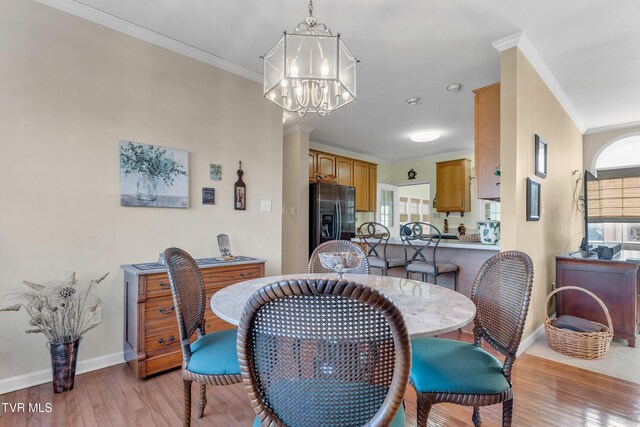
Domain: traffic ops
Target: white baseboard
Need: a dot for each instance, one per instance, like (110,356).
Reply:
(530,339)
(19,382)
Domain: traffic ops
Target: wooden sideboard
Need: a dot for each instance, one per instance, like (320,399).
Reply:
(616,283)
(151,336)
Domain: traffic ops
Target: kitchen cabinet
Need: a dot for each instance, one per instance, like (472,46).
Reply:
(313,165)
(487,142)
(344,171)
(361,175)
(373,187)
(326,164)
(151,336)
(453,186)
(361,183)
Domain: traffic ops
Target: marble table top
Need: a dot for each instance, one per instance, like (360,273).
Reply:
(427,309)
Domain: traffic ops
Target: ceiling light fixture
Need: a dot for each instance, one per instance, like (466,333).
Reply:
(456,87)
(310,69)
(414,101)
(425,136)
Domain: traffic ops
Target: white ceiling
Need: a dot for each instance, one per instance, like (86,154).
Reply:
(416,48)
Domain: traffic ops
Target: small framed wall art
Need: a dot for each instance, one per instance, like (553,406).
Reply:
(533,200)
(215,172)
(208,196)
(541,157)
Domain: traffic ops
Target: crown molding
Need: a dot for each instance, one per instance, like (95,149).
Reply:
(297,129)
(447,154)
(521,41)
(110,21)
(507,42)
(347,153)
(611,128)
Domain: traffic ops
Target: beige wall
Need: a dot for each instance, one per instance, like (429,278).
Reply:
(70,90)
(528,107)
(595,143)
(295,202)
(396,173)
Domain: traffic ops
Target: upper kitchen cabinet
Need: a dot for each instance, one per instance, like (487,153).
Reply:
(313,165)
(373,187)
(361,183)
(487,142)
(344,171)
(361,175)
(453,187)
(326,164)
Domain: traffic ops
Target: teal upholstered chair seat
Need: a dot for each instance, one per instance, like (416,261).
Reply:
(321,399)
(441,365)
(215,354)
(398,421)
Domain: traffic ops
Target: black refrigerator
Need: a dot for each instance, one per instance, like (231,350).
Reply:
(332,213)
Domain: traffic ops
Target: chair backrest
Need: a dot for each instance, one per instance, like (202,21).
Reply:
(376,237)
(323,353)
(315,266)
(501,293)
(416,238)
(189,300)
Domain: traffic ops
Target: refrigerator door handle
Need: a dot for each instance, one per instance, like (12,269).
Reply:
(339,221)
(336,220)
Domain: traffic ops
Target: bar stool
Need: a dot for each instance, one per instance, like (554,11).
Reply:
(419,237)
(372,235)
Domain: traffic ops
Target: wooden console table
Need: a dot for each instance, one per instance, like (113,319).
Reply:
(615,282)
(151,337)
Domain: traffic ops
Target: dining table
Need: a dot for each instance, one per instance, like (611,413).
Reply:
(427,309)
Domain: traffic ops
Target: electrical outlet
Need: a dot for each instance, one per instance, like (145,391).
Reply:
(265,205)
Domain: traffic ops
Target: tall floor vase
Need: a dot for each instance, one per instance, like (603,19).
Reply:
(64,357)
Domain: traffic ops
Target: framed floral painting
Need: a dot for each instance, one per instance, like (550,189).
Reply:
(153,176)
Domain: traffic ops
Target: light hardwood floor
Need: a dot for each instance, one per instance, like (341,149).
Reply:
(547,394)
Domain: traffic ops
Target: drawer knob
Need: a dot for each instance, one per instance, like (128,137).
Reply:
(169,311)
(250,273)
(168,342)
(164,285)
(241,274)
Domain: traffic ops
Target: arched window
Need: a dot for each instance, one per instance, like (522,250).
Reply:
(622,153)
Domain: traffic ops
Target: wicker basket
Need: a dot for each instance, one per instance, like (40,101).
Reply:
(583,345)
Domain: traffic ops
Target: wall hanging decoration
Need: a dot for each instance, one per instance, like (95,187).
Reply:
(541,157)
(153,176)
(240,191)
(412,174)
(533,200)
(208,196)
(215,172)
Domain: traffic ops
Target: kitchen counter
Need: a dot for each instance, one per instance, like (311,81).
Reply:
(155,267)
(454,244)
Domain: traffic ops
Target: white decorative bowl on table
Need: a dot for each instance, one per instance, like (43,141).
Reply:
(340,262)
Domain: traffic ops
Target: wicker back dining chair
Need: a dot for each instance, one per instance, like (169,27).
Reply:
(420,241)
(212,358)
(457,372)
(315,266)
(324,353)
(375,238)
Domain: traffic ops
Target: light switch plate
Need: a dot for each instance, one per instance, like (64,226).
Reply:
(265,205)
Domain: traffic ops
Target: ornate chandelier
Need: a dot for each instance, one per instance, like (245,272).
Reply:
(310,69)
